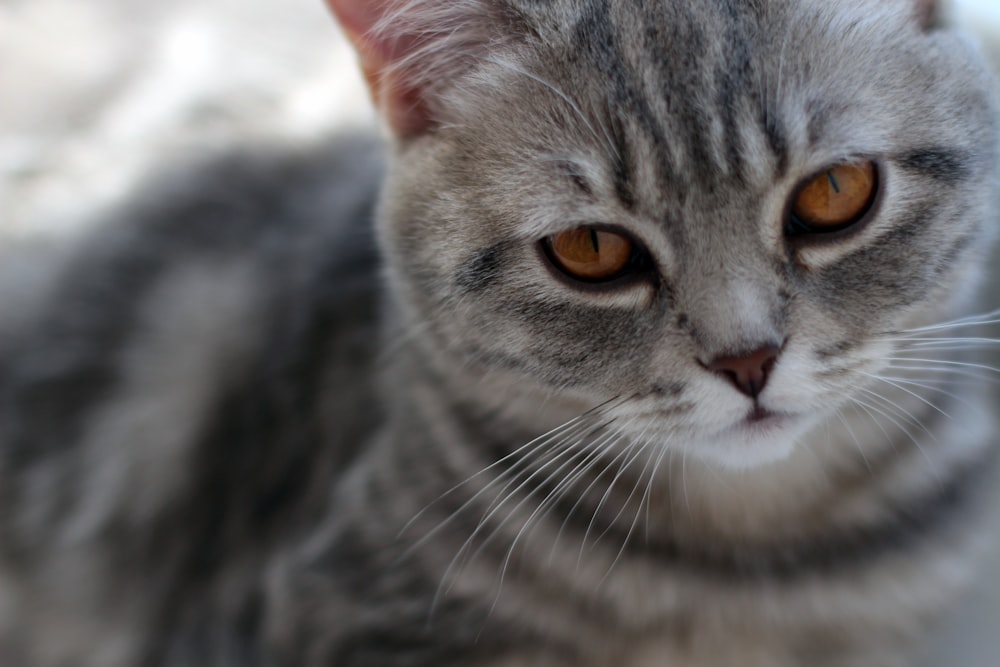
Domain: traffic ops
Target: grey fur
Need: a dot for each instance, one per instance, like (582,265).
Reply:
(468,459)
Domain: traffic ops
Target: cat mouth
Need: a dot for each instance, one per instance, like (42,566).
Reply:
(757,422)
(761,420)
(758,414)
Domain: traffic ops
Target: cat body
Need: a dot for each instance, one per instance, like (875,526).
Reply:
(230,434)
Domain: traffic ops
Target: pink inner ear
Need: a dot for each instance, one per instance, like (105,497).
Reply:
(380,53)
(359,17)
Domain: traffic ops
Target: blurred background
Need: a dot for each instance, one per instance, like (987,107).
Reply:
(93,93)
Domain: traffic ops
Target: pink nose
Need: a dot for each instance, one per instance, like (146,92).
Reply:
(748,372)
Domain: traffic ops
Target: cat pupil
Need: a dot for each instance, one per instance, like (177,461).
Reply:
(833,182)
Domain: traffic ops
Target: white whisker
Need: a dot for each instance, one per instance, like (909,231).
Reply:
(627,458)
(900,410)
(946,374)
(649,486)
(868,410)
(854,437)
(592,454)
(638,511)
(946,362)
(538,443)
(586,491)
(635,488)
(919,341)
(928,387)
(574,448)
(908,391)
(524,528)
(916,442)
(981,319)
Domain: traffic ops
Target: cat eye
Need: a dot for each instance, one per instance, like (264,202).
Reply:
(592,254)
(834,200)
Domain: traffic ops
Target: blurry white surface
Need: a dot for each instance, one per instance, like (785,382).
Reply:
(93,93)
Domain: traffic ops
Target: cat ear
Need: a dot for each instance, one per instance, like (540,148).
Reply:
(409,49)
(928,13)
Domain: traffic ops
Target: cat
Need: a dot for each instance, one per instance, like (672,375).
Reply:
(647,342)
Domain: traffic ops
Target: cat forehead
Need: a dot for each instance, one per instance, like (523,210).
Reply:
(738,45)
(706,83)
(696,15)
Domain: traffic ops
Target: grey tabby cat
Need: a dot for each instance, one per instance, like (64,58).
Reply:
(658,362)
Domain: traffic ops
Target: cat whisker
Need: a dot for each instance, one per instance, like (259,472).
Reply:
(527,478)
(913,438)
(908,391)
(520,533)
(543,508)
(463,555)
(929,387)
(537,465)
(945,362)
(922,341)
(684,480)
(873,413)
(942,347)
(638,511)
(871,410)
(635,488)
(949,374)
(579,423)
(592,453)
(575,448)
(649,486)
(523,452)
(624,459)
(857,443)
(981,319)
(899,410)
(593,460)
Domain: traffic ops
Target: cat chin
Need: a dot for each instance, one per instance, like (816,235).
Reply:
(751,444)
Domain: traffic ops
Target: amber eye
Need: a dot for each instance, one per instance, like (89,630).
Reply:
(835,199)
(591,254)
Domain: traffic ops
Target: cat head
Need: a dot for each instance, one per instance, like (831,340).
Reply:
(712,214)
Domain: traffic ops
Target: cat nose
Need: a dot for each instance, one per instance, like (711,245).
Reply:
(748,372)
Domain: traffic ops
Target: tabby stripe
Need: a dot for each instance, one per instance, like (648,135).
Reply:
(622,167)
(942,164)
(694,123)
(482,270)
(595,38)
(731,80)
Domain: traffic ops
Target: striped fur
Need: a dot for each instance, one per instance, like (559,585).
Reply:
(230,435)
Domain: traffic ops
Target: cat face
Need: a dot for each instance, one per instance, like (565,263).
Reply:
(711,216)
